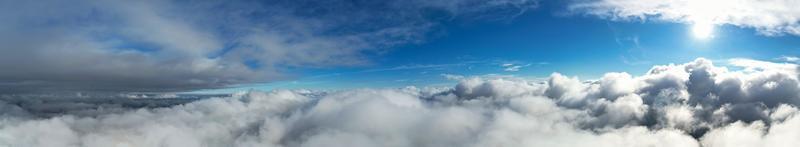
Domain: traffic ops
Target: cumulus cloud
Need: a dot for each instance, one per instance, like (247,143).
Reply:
(769,17)
(691,104)
(91,45)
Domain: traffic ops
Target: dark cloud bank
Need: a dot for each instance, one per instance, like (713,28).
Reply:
(691,104)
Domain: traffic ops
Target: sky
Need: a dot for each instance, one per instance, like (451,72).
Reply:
(549,37)
(223,47)
(400,73)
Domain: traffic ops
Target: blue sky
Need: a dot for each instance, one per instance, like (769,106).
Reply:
(179,46)
(541,42)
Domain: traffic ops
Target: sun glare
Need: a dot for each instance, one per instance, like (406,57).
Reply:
(703,30)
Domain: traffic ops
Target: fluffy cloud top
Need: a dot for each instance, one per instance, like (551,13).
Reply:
(686,105)
(769,17)
(152,45)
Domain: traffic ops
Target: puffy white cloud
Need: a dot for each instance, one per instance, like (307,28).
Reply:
(769,17)
(779,134)
(691,104)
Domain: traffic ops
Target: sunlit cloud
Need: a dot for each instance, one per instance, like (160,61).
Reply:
(768,17)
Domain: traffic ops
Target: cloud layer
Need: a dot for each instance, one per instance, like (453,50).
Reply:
(691,104)
(769,17)
(151,45)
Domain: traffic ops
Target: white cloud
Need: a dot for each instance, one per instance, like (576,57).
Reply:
(769,17)
(673,105)
(452,76)
(789,58)
(512,67)
(778,134)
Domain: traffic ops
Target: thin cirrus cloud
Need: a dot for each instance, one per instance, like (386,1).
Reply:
(768,17)
(511,67)
(92,45)
(692,104)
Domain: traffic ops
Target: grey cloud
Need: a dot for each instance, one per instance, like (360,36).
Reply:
(90,45)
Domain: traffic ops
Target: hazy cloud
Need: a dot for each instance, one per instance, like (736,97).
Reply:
(789,58)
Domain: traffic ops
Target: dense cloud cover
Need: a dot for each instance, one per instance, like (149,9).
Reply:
(171,45)
(686,105)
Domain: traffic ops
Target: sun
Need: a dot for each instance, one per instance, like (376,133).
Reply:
(703,30)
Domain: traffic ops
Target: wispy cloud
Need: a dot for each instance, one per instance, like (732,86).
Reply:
(452,76)
(753,65)
(789,58)
(511,67)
